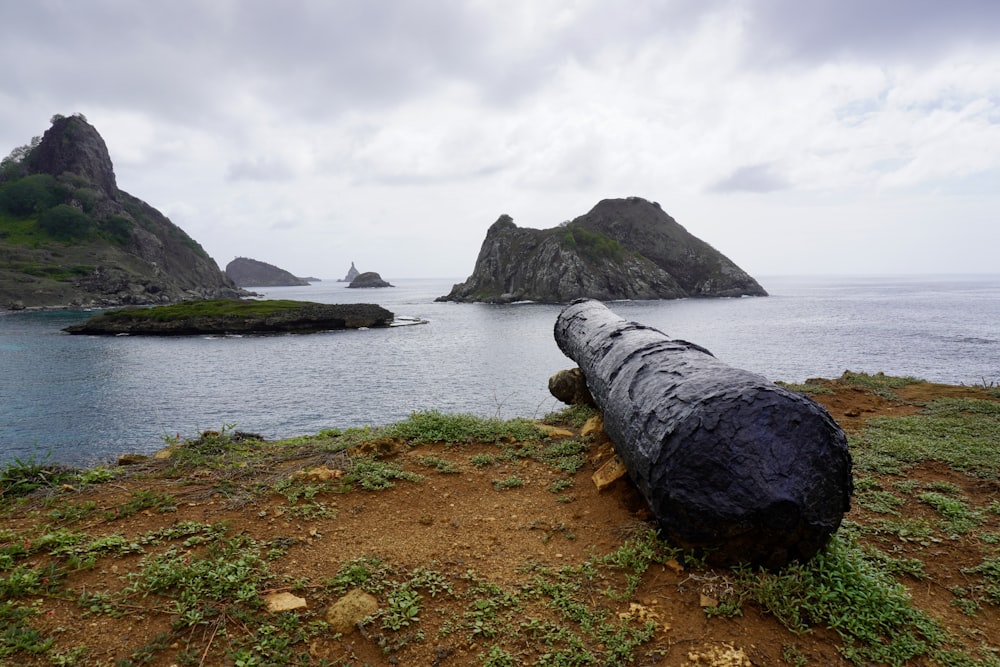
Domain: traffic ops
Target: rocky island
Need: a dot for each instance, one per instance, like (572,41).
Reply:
(247,272)
(234,316)
(368,279)
(69,237)
(622,249)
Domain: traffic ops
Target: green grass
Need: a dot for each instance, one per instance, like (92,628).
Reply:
(960,433)
(434,426)
(843,590)
(881,384)
(209,308)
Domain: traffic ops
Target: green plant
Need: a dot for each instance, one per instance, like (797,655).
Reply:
(883,502)
(841,589)
(572,415)
(22,476)
(879,383)
(483,460)
(511,482)
(230,572)
(959,518)
(438,463)
(65,222)
(434,426)
(960,433)
(372,474)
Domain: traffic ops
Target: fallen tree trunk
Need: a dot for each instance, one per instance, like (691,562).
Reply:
(728,461)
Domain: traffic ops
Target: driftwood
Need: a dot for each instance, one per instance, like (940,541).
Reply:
(728,461)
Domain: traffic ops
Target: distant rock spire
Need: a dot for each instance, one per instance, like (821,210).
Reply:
(352,273)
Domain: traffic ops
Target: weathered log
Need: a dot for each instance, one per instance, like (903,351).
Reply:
(728,461)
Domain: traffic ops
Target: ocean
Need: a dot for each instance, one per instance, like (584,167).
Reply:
(84,400)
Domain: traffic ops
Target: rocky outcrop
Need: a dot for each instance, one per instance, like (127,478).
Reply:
(92,245)
(369,279)
(622,249)
(247,272)
(352,273)
(231,316)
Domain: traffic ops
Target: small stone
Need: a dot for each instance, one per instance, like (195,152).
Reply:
(593,426)
(344,614)
(283,602)
(132,459)
(555,431)
(609,473)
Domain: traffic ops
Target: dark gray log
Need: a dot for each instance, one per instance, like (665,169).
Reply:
(728,461)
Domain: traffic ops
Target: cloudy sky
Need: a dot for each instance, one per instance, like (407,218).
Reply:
(828,136)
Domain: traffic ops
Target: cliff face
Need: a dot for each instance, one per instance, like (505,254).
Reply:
(622,249)
(247,272)
(70,238)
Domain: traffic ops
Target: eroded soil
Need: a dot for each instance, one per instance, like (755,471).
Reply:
(463,521)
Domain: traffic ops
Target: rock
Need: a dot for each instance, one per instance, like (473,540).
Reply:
(247,272)
(609,473)
(319,474)
(555,431)
(621,249)
(102,247)
(132,459)
(278,602)
(72,145)
(570,387)
(369,279)
(344,615)
(727,461)
(352,273)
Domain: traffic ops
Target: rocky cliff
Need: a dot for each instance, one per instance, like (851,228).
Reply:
(621,249)
(69,237)
(247,272)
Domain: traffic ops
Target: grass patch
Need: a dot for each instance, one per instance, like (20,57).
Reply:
(962,433)
(880,384)
(842,589)
(433,426)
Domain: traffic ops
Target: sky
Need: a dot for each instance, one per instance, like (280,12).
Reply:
(841,137)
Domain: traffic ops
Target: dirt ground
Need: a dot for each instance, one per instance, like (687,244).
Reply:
(461,522)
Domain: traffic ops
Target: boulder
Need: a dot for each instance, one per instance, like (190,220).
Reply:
(727,461)
(570,387)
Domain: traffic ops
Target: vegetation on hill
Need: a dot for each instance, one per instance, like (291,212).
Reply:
(70,237)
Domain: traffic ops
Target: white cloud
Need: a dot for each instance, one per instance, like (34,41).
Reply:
(309,134)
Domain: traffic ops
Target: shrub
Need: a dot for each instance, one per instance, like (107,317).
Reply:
(65,222)
(31,195)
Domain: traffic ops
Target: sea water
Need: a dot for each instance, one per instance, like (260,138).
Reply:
(83,400)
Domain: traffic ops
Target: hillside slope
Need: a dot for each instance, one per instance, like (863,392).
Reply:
(69,237)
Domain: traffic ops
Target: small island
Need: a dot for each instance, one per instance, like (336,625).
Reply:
(234,316)
(368,279)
